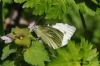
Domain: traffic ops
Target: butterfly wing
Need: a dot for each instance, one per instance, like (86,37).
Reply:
(51,36)
(67,31)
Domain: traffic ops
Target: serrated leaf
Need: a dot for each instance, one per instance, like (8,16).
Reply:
(88,53)
(28,4)
(49,7)
(6,52)
(68,56)
(36,54)
(76,55)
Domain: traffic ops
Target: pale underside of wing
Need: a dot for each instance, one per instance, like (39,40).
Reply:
(51,36)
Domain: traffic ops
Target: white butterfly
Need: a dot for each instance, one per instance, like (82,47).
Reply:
(54,36)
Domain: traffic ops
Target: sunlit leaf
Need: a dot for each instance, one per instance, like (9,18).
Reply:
(7,51)
(36,54)
(76,55)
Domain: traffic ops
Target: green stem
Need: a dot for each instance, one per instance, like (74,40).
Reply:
(84,24)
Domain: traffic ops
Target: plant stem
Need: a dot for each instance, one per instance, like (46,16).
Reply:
(84,24)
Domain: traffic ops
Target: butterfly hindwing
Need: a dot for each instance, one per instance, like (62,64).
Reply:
(51,36)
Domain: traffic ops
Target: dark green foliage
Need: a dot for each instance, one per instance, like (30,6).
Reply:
(53,9)
(76,55)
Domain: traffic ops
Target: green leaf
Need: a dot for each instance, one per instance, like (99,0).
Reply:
(87,52)
(23,42)
(20,31)
(76,55)
(27,5)
(98,11)
(84,9)
(7,1)
(96,34)
(53,9)
(67,56)
(19,1)
(8,63)
(7,51)
(36,54)
(95,1)
(23,36)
